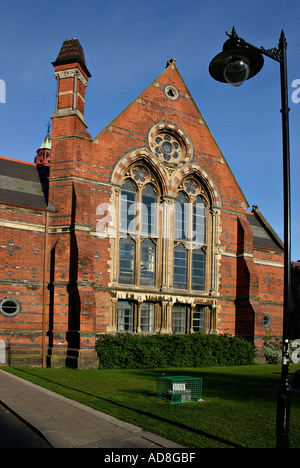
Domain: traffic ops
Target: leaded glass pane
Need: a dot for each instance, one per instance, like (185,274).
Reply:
(147,263)
(181,217)
(198,318)
(147,317)
(149,212)
(126,260)
(180,267)
(198,270)
(199,221)
(124,316)
(179,318)
(128,207)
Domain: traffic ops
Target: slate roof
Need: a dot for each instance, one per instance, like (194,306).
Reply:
(264,236)
(23,184)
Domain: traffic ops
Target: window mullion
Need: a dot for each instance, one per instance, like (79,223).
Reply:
(189,245)
(137,318)
(138,238)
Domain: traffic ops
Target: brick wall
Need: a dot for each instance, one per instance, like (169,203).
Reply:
(246,280)
(22,278)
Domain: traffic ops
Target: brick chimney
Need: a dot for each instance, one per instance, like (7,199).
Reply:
(72,78)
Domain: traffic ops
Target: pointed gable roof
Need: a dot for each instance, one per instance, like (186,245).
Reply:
(264,236)
(168,99)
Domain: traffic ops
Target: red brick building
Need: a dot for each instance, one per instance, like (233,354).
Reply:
(142,228)
(295,286)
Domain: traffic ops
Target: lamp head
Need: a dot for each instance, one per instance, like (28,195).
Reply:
(237,62)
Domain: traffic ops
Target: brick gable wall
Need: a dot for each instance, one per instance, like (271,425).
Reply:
(245,280)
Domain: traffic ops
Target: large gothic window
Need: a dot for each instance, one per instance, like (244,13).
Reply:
(160,251)
(138,229)
(189,255)
(127,243)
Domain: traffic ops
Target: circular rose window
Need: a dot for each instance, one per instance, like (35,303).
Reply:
(167,148)
(170,144)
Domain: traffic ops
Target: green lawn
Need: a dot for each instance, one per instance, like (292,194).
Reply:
(238,408)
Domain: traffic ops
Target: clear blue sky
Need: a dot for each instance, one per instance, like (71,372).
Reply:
(127,44)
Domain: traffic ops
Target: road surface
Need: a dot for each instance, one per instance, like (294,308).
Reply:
(14,433)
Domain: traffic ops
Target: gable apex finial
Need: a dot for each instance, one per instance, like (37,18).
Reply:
(170,62)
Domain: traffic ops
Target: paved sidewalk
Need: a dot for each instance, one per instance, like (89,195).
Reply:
(67,424)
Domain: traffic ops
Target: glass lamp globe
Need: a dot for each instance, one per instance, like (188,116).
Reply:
(237,62)
(236,72)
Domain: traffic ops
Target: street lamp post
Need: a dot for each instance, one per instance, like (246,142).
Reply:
(238,62)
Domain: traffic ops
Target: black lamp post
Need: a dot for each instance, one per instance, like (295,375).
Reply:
(238,62)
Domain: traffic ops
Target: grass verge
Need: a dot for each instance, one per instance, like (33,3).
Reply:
(238,408)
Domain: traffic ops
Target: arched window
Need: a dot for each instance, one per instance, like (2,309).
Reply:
(181,216)
(128,208)
(127,245)
(189,256)
(149,212)
(199,221)
(138,228)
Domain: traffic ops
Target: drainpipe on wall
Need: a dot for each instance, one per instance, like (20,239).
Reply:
(45,289)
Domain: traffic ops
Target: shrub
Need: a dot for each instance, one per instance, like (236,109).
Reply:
(273,352)
(164,350)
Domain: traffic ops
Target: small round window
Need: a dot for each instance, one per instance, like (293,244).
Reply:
(267,320)
(171,92)
(10,307)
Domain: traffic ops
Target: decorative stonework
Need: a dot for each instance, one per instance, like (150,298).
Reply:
(11,247)
(72,73)
(170,144)
(168,148)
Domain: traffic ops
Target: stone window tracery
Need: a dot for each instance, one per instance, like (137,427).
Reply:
(170,144)
(164,247)
(138,228)
(189,255)
(168,148)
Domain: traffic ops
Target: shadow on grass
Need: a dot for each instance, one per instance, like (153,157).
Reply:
(230,385)
(152,416)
